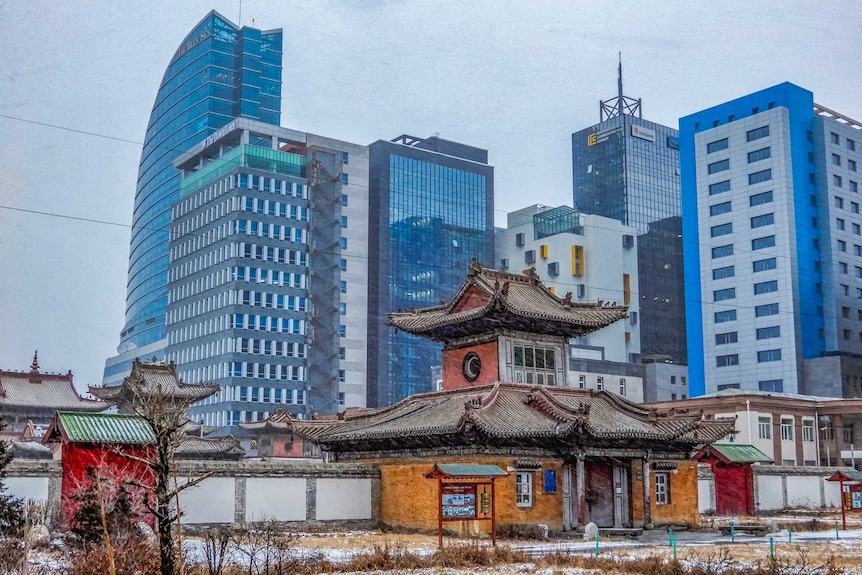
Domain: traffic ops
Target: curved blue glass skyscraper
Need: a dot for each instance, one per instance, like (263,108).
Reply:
(219,72)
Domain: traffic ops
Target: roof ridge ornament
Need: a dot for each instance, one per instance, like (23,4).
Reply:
(475,267)
(34,366)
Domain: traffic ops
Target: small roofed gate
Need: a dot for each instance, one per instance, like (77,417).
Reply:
(734,478)
(92,444)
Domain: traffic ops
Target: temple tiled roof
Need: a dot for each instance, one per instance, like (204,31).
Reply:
(490,298)
(33,389)
(278,421)
(99,428)
(201,448)
(509,414)
(152,378)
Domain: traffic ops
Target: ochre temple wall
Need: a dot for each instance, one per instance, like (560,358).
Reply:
(408,499)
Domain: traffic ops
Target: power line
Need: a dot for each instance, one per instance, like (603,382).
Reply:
(73,130)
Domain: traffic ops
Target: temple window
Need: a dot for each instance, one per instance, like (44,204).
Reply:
(535,364)
(524,488)
(662,488)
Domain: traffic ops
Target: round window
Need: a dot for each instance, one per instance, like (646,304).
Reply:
(472,366)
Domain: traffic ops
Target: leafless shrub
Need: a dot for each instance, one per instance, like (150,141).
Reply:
(268,548)
(216,545)
(11,555)
(718,561)
(130,555)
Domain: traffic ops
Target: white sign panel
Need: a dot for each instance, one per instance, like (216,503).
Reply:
(643,133)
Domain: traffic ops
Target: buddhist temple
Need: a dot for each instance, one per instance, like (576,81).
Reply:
(33,397)
(570,456)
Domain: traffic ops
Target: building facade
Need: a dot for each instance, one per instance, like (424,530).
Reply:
(790,429)
(564,457)
(591,257)
(431,210)
(266,280)
(220,71)
(627,169)
(774,273)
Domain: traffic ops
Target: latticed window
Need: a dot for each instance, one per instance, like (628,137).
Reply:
(535,364)
(524,488)
(662,488)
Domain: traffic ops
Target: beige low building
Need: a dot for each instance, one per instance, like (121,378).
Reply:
(791,429)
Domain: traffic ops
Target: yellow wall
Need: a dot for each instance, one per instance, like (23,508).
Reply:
(683,495)
(408,499)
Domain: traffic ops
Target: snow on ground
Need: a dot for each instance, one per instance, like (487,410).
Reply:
(692,546)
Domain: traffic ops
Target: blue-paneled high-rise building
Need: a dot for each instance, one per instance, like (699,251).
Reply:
(773,237)
(220,71)
(431,210)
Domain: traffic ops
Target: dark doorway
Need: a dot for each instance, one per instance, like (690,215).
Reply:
(600,494)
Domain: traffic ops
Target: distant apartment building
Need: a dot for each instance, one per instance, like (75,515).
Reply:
(592,257)
(627,168)
(791,429)
(431,211)
(218,72)
(772,216)
(267,277)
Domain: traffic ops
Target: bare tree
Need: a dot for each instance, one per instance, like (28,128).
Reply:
(155,393)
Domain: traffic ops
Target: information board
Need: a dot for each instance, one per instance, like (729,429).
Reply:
(458,500)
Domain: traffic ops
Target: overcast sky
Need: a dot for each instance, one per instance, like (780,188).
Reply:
(78,80)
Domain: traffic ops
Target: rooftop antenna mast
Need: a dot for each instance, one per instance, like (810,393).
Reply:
(620,105)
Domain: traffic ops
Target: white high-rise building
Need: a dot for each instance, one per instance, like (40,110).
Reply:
(773,245)
(267,284)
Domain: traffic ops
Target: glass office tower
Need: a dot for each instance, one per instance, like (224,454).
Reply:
(431,211)
(627,168)
(219,72)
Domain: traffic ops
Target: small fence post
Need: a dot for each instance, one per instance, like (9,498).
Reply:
(597,542)
(790,533)
(771,548)
(836,530)
(732,534)
(674,547)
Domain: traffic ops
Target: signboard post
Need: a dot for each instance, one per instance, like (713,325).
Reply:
(467,495)
(850,485)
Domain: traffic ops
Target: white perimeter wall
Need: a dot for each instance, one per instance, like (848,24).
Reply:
(343,499)
(27,488)
(282,499)
(210,501)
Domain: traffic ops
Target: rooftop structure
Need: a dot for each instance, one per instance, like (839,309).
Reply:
(34,396)
(153,379)
(550,419)
(490,300)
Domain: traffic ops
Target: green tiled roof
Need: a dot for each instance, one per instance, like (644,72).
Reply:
(105,427)
(741,453)
(470,470)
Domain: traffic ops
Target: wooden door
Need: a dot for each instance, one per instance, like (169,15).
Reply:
(600,494)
